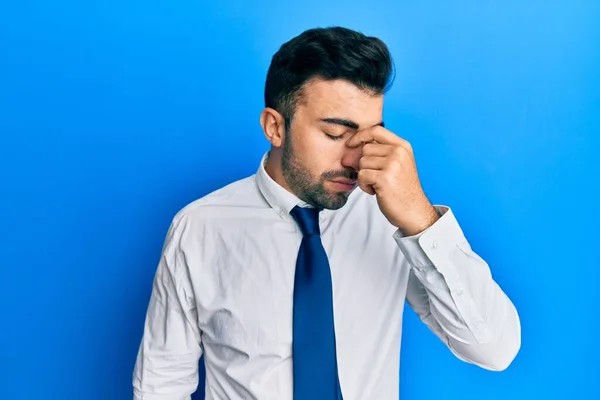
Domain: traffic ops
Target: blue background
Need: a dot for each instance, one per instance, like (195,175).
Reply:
(114,115)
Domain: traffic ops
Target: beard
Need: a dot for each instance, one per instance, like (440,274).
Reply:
(308,188)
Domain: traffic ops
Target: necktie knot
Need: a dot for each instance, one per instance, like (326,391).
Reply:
(307,219)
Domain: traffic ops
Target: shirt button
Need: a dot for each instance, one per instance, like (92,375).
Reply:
(434,245)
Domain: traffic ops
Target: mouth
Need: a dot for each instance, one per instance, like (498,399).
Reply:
(344,184)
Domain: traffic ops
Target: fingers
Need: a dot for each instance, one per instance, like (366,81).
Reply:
(372,162)
(367,189)
(376,149)
(375,134)
(382,154)
(366,179)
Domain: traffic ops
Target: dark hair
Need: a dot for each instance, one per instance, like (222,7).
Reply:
(327,53)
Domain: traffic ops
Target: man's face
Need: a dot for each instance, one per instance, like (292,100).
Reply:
(316,163)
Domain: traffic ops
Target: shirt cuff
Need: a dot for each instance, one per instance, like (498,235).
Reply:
(426,248)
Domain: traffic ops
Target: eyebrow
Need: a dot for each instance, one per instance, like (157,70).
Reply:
(346,122)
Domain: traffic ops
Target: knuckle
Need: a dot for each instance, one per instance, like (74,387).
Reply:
(399,152)
(387,179)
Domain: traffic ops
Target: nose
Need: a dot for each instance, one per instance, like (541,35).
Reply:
(351,157)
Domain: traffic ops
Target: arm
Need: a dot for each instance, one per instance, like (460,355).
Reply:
(167,360)
(452,291)
(450,287)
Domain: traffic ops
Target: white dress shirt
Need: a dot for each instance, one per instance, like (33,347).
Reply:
(224,288)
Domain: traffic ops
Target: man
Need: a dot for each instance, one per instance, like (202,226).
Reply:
(291,282)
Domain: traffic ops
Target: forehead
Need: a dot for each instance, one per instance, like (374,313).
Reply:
(340,99)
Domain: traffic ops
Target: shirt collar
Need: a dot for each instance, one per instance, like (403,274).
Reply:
(279,198)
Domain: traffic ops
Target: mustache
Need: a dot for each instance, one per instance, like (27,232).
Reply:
(346,173)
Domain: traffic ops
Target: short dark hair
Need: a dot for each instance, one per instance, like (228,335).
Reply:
(326,53)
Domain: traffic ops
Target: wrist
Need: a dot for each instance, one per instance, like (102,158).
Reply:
(420,222)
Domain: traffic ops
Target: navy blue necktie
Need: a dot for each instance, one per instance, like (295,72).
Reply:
(313,346)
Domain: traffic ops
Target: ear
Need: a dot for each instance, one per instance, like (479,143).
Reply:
(273,125)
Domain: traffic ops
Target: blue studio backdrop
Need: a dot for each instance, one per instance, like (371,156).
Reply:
(115,114)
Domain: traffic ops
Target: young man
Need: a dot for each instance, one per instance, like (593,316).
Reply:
(292,282)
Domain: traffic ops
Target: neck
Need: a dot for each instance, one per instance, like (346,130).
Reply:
(273,169)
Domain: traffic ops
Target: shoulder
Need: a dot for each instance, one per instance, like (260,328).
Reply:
(223,202)
(218,211)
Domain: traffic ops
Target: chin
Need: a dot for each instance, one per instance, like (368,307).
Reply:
(335,201)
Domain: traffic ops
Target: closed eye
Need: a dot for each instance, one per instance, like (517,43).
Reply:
(332,137)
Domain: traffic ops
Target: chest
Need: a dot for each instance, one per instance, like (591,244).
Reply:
(244,287)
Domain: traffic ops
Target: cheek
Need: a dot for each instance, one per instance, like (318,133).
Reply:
(323,150)
(306,144)
(318,153)
(313,154)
